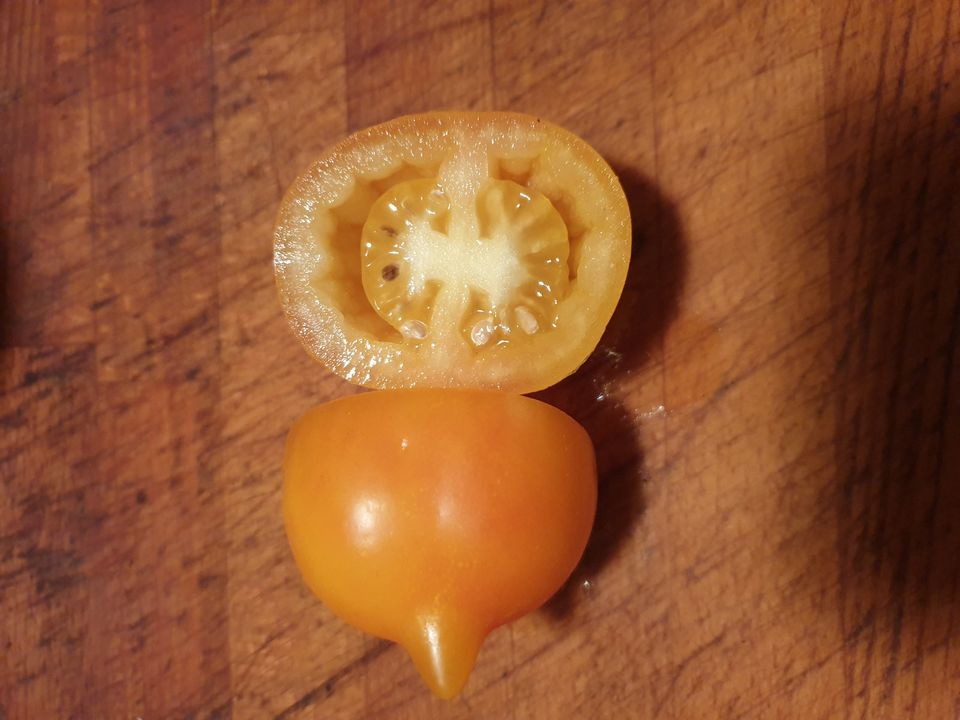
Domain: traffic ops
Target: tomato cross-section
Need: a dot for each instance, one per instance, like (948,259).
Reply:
(470,250)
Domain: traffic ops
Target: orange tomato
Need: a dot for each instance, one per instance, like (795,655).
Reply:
(430,517)
(480,250)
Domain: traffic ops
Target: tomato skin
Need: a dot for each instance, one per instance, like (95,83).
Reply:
(430,517)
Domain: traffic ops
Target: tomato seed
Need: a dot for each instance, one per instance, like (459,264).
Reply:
(390,272)
(414,329)
(526,320)
(481,332)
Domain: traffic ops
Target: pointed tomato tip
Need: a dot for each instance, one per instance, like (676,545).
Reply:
(447,688)
(444,651)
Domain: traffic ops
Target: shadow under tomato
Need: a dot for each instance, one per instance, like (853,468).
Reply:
(648,303)
(895,384)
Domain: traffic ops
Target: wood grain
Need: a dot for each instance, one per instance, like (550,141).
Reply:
(776,405)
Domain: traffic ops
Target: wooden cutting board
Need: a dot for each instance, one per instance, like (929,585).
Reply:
(779,436)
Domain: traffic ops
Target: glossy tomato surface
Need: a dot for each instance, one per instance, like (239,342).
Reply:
(481,250)
(430,517)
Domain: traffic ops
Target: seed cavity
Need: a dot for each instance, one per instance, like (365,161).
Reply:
(495,265)
(414,329)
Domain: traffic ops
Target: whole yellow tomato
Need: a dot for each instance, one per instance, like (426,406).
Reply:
(430,517)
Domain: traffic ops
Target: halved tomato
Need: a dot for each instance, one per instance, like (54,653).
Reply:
(482,250)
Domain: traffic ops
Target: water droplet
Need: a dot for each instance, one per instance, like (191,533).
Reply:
(611,353)
(653,412)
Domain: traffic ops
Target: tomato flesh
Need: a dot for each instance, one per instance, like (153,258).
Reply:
(483,250)
(430,517)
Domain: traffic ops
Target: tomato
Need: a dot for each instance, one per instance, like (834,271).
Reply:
(430,517)
(482,250)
